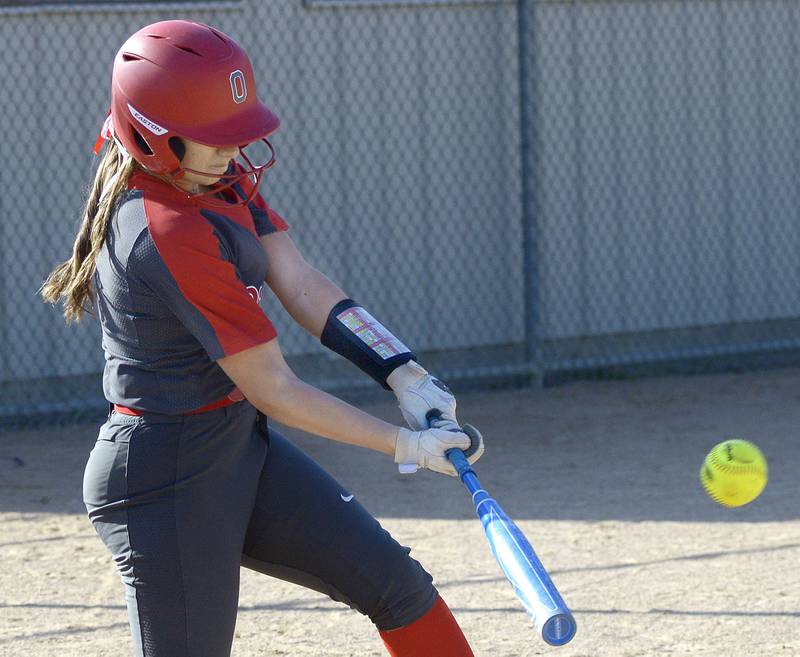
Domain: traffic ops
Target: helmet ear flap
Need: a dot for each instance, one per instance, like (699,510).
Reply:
(156,157)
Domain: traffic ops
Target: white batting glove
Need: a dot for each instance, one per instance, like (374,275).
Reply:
(418,392)
(425,449)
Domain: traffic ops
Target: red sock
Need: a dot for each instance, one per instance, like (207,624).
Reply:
(436,634)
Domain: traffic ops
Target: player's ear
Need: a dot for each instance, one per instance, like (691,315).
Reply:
(177,146)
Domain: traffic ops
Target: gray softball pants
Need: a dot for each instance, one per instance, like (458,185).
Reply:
(182,502)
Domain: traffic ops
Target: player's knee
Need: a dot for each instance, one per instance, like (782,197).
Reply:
(406,597)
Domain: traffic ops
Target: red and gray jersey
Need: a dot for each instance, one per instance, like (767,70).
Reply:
(178,286)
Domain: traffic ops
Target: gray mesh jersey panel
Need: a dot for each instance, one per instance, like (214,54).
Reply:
(177,285)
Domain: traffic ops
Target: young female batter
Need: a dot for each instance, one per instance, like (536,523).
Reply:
(187,481)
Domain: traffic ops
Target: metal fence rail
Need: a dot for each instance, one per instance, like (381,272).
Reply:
(520,190)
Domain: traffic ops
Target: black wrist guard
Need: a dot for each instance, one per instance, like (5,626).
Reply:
(355,334)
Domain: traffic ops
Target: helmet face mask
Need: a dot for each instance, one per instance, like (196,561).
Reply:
(178,80)
(230,178)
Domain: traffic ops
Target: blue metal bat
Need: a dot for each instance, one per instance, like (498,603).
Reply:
(516,557)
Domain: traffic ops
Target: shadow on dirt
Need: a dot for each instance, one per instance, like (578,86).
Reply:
(621,450)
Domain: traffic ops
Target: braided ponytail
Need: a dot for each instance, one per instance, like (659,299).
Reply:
(71,281)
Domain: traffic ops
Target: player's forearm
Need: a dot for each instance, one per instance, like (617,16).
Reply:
(312,300)
(307,297)
(292,402)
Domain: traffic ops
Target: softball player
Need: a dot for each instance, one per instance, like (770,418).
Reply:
(187,481)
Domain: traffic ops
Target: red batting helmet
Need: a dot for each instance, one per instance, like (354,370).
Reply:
(186,80)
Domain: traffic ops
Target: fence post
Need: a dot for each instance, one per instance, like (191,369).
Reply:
(529,192)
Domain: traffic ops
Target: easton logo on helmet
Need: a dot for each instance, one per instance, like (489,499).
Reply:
(238,86)
(152,126)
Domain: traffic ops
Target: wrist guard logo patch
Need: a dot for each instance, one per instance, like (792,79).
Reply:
(372,333)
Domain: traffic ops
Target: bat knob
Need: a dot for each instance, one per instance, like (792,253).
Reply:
(475,437)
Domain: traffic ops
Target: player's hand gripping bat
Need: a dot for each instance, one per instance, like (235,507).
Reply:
(515,555)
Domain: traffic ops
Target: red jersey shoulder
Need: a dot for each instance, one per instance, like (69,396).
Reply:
(174,221)
(169,218)
(172,215)
(170,212)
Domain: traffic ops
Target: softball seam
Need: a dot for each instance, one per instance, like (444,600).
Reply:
(739,468)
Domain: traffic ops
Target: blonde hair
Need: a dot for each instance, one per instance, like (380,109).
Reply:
(71,281)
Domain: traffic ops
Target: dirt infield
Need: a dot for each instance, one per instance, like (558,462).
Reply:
(602,477)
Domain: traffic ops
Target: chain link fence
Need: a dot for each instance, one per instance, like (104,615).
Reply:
(520,190)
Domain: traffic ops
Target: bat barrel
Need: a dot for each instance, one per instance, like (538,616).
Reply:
(518,560)
(516,557)
(525,572)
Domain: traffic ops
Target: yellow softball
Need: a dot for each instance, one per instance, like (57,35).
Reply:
(734,473)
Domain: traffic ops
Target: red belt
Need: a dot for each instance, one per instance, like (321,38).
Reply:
(233,397)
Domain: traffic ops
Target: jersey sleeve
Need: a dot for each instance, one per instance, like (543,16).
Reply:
(266,220)
(181,259)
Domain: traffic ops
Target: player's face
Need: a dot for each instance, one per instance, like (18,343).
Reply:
(211,160)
